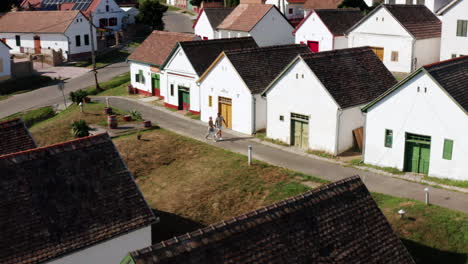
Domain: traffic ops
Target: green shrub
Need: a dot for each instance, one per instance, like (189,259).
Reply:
(80,129)
(135,115)
(78,96)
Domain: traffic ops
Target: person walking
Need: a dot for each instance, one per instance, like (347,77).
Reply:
(219,125)
(211,129)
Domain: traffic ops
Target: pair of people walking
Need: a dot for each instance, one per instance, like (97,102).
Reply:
(218,124)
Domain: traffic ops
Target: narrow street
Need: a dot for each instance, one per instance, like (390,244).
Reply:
(322,169)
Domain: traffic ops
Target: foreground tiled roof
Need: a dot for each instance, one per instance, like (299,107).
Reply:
(352,76)
(202,53)
(14,137)
(417,19)
(66,197)
(245,16)
(157,46)
(37,21)
(337,223)
(217,15)
(258,67)
(339,20)
(322,4)
(452,75)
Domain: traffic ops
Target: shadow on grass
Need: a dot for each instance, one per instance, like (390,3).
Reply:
(171,225)
(428,255)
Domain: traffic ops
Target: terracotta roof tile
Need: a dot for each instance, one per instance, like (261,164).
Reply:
(322,4)
(244,17)
(352,76)
(14,137)
(417,19)
(259,67)
(336,223)
(157,46)
(202,53)
(452,75)
(66,197)
(37,21)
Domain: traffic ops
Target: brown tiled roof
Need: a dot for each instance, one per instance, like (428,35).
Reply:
(37,21)
(244,17)
(14,137)
(336,223)
(157,46)
(322,4)
(217,15)
(339,20)
(352,76)
(452,75)
(66,197)
(417,19)
(258,67)
(202,53)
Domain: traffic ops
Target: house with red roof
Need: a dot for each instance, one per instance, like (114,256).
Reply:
(39,32)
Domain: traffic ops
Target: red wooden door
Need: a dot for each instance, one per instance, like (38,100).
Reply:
(313,45)
(37,45)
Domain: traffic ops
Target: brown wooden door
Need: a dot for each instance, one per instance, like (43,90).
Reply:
(225,108)
(379,52)
(37,45)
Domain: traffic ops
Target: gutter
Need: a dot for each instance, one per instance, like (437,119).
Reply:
(254,113)
(364,136)
(337,133)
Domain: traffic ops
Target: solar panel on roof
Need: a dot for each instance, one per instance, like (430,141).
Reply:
(79,4)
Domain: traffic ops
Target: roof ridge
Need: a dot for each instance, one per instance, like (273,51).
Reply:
(103,137)
(171,32)
(263,49)
(445,62)
(258,212)
(211,41)
(337,9)
(334,52)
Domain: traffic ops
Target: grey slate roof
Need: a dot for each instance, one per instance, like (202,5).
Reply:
(202,53)
(352,76)
(259,67)
(452,75)
(217,15)
(336,223)
(339,20)
(66,197)
(417,19)
(14,137)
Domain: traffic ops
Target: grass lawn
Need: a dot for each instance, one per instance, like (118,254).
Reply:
(117,86)
(34,116)
(104,59)
(194,184)
(262,136)
(358,162)
(462,184)
(22,85)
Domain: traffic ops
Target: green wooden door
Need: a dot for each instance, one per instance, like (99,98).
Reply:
(184,98)
(300,131)
(155,83)
(417,153)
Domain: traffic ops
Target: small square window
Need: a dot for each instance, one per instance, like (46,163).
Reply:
(388,138)
(454,56)
(394,56)
(281,118)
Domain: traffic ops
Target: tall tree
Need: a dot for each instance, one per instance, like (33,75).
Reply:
(354,3)
(151,14)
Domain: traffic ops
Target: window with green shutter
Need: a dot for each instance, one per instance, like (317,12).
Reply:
(388,138)
(462,28)
(448,148)
(137,77)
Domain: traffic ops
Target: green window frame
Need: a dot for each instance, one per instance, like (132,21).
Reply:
(388,138)
(462,28)
(448,149)
(137,78)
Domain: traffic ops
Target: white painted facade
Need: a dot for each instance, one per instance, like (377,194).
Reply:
(412,53)
(5,63)
(313,29)
(203,27)
(451,44)
(109,9)
(135,68)
(428,112)
(290,10)
(111,251)
(272,29)
(65,42)
(179,72)
(248,110)
(330,128)
(433,5)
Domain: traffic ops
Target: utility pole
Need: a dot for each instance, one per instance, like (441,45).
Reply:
(93,53)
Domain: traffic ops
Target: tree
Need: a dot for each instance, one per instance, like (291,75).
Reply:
(196,2)
(78,96)
(354,3)
(80,129)
(151,14)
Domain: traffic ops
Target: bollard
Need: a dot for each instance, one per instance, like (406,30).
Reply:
(426,190)
(249,155)
(81,107)
(107,102)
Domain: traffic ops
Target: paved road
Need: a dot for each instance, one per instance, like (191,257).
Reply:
(297,162)
(50,95)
